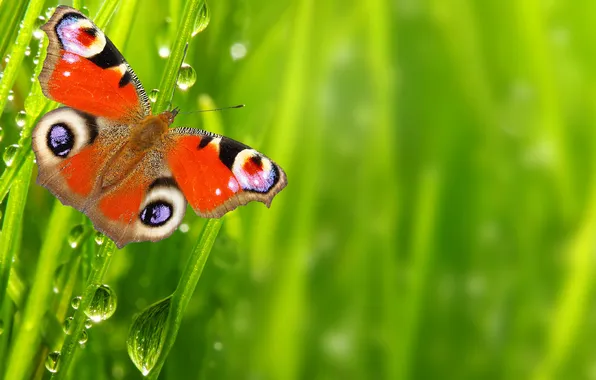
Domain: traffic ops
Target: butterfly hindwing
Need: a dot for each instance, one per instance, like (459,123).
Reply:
(71,148)
(84,70)
(146,205)
(218,174)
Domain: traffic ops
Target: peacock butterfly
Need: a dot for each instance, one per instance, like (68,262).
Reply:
(106,155)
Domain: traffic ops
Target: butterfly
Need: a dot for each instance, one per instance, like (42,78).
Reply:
(105,154)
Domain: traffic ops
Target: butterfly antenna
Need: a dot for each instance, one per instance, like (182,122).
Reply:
(214,109)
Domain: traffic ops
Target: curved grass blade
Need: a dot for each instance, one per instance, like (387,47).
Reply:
(184,290)
(18,51)
(11,223)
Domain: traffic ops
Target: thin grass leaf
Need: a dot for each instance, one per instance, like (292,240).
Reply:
(10,17)
(28,337)
(12,220)
(95,280)
(17,53)
(184,291)
(172,69)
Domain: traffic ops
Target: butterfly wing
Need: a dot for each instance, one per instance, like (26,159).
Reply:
(87,163)
(71,148)
(218,174)
(84,70)
(146,205)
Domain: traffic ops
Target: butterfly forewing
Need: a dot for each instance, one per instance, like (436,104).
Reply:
(218,174)
(84,70)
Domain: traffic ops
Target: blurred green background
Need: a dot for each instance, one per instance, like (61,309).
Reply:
(440,215)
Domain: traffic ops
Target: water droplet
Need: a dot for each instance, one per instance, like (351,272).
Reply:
(10,96)
(53,361)
(99,238)
(162,38)
(27,51)
(38,33)
(88,323)
(103,304)
(9,154)
(67,325)
(76,235)
(7,59)
(21,118)
(50,11)
(184,228)
(164,51)
(217,346)
(186,77)
(84,337)
(146,335)
(1,134)
(35,62)
(85,11)
(238,51)
(153,95)
(76,302)
(202,20)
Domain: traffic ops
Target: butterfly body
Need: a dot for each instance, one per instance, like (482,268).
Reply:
(107,155)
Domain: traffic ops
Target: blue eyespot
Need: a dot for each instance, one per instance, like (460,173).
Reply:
(156,214)
(60,139)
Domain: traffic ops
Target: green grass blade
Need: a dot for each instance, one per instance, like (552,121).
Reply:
(28,337)
(185,290)
(11,223)
(168,81)
(71,343)
(18,51)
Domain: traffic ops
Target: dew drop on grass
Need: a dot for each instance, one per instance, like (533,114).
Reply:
(238,51)
(38,33)
(99,238)
(76,235)
(85,11)
(9,154)
(1,134)
(187,77)
(153,95)
(21,118)
(10,96)
(27,51)
(50,12)
(163,38)
(146,335)
(103,304)
(88,323)
(203,18)
(76,302)
(164,51)
(84,337)
(67,325)
(53,361)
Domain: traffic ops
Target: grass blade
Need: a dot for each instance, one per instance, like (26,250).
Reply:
(185,289)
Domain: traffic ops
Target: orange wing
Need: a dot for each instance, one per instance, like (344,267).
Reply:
(217,174)
(85,71)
